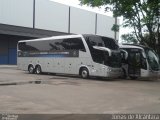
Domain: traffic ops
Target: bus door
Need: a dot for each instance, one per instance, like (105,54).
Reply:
(134,63)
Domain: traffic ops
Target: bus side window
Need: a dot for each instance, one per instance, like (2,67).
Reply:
(77,44)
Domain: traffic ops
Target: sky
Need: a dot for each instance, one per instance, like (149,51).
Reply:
(76,3)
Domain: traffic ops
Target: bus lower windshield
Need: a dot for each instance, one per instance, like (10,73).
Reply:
(103,57)
(115,59)
(153,60)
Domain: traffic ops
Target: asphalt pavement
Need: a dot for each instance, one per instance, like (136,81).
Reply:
(24,93)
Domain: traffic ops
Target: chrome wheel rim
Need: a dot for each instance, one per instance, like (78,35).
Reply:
(84,74)
(31,69)
(38,70)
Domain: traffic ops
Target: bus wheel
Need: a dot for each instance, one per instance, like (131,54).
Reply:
(31,69)
(38,69)
(84,73)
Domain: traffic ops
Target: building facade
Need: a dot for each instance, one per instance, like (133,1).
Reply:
(28,19)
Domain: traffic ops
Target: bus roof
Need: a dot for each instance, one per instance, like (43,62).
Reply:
(60,37)
(88,35)
(133,46)
(52,38)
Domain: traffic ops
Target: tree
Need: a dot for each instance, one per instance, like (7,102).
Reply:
(141,15)
(129,38)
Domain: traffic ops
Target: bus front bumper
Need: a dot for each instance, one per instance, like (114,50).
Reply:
(114,72)
(155,74)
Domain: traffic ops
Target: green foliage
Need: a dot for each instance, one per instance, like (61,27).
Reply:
(115,28)
(141,15)
(129,38)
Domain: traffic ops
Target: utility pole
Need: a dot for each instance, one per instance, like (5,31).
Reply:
(115,32)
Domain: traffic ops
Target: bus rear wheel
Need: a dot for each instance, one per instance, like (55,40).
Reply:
(31,69)
(38,69)
(84,73)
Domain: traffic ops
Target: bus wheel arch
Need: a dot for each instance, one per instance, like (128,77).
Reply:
(38,69)
(31,69)
(84,72)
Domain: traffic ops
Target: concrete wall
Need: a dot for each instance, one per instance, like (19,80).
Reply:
(16,12)
(51,16)
(22,19)
(82,21)
(104,25)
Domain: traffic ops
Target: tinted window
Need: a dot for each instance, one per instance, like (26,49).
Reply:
(98,56)
(76,44)
(23,46)
(110,43)
(35,46)
(94,40)
(143,60)
(53,45)
(67,44)
(60,44)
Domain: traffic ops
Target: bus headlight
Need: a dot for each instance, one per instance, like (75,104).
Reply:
(94,70)
(109,70)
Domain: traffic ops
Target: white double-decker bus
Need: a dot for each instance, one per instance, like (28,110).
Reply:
(84,55)
(139,61)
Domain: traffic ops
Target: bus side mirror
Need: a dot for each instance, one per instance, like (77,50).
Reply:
(125,54)
(103,49)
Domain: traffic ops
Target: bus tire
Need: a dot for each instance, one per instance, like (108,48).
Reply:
(31,69)
(84,73)
(38,69)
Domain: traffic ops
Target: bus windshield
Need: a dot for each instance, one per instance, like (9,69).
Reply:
(94,40)
(115,59)
(104,50)
(103,56)
(153,59)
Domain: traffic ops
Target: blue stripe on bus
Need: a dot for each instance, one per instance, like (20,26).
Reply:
(44,55)
(47,55)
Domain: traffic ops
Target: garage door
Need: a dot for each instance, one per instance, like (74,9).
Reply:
(3,59)
(12,56)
